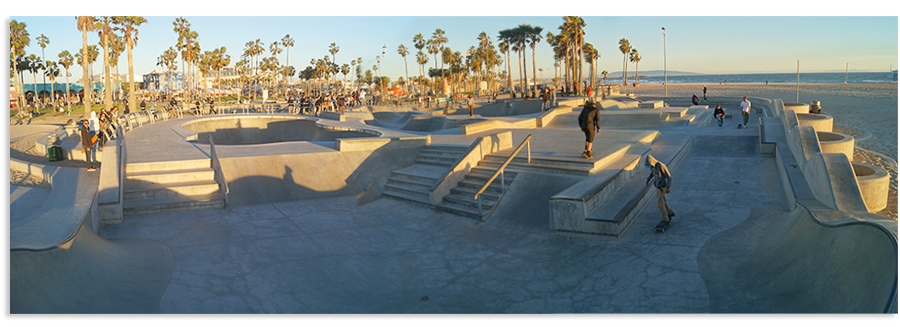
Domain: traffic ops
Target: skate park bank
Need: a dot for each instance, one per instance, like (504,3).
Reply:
(807,232)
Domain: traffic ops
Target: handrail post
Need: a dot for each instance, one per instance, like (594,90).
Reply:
(502,182)
(480,213)
(529,151)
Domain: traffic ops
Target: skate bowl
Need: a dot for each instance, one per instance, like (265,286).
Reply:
(799,108)
(247,130)
(873,183)
(831,142)
(509,108)
(820,122)
(417,121)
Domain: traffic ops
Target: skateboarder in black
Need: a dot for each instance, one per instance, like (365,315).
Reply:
(589,120)
(661,179)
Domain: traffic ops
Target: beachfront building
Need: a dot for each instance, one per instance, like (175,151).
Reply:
(160,81)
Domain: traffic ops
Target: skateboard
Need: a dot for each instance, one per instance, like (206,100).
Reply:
(740,126)
(586,155)
(661,227)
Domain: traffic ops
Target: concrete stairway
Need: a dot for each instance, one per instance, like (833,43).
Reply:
(414,183)
(170,186)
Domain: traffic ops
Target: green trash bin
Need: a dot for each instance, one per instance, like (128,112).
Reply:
(55,153)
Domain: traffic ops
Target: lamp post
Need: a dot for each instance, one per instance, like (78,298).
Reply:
(665,69)
(555,73)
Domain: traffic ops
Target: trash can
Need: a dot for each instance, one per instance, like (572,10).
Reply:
(815,108)
(55,153)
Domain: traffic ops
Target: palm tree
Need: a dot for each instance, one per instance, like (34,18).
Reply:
(421,59)
(505,38)
(18,40)
(534,37)
(604,75)
(116,47)
(403,52)
(52,70)
(333,49)
(635,57)
(35,66)
(439,40)
(128,25)
(625,48)
(43,41)
(254,49)
(65,59)
(274,49)
(86,24)
(287,42)
(591,55)
(572,32)
(105,29)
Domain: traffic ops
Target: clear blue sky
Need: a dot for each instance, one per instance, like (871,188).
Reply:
(718,40)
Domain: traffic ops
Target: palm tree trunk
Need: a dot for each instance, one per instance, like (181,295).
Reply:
(533,74)
(509,75)
(68,102)
(107,95)
(132,98)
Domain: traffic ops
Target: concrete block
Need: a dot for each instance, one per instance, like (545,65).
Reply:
(874,183)
(821,122)
(651,104)
(830,142)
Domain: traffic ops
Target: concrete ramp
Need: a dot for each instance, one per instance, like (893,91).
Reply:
(256,130)
(617,119)
(90,275)
(789,262)
(509,108)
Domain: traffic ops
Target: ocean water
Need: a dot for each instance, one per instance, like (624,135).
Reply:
(884,77)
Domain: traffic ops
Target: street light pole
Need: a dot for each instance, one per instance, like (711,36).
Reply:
(665,68)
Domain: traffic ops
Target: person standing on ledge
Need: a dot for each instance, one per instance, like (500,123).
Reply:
(745,110)
(589,120)
(471,103)
(662,181)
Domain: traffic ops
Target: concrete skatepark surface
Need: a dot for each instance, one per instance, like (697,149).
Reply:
(333,245)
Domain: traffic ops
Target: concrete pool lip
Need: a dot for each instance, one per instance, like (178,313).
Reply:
(254,129)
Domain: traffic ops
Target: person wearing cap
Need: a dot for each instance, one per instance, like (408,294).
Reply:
(745,110)
(589,120)
(661,179)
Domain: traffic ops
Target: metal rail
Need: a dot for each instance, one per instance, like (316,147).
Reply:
(499,171)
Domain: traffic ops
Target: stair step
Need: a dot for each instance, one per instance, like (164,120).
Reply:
(406,197)
(405,180)
(554,169)
(469,202)
(149,191)
(170,176)
(483,174)
(453,153)
(435,157)
(495,157)
(492,194)
(411,190)
(477,184)
(457,148)
(622,207)
(434,163)
(459,210)
(171,204)
(166,165)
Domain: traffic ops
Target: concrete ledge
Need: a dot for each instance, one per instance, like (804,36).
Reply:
(874,183)
(109,195)
(799,108)
(546,118)
(651,104)
(332,115)
(369,144)
(830,142)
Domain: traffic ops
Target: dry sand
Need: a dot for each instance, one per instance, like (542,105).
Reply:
(867,111)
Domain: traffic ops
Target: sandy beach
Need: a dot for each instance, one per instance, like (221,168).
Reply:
(867,111)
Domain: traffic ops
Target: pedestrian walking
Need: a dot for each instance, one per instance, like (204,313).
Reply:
(704,92)
(87,143)
(471,104)
(745,110)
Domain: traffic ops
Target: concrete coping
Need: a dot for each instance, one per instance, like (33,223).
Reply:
(808,116)
(828,137)
(319,123)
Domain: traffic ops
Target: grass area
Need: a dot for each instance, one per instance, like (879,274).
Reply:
(77,110)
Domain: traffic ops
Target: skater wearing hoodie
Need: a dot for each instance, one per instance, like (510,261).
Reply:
(662,181)
(589,121)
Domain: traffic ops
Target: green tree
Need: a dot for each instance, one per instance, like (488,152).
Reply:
(129,27)
(287,42)
(534,37)
(505,38)
(105,29)
(86,24)
(402,51)
(635,57)
(18,40)
(36,66)
(65,59)
(43,41)
(591,55)
(52,70)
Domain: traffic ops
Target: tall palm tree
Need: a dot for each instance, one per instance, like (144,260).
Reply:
(86,24)
(43,41)
(65,59)
(103,24)
(116,48)
(52,70)
(253,49)
(591,55)
(402,51)
(505,38)
(635,57)
(534,37)
(573,29)
(604,72)
(625,48)
(18,40)
(128,25)
(35,66)
(275,49)
(440,38)
(287,42)
(421,59)
(333,49)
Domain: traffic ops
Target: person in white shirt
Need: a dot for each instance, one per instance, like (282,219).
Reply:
(745,110)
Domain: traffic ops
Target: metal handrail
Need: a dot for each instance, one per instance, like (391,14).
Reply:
(217,167)
(499,171)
